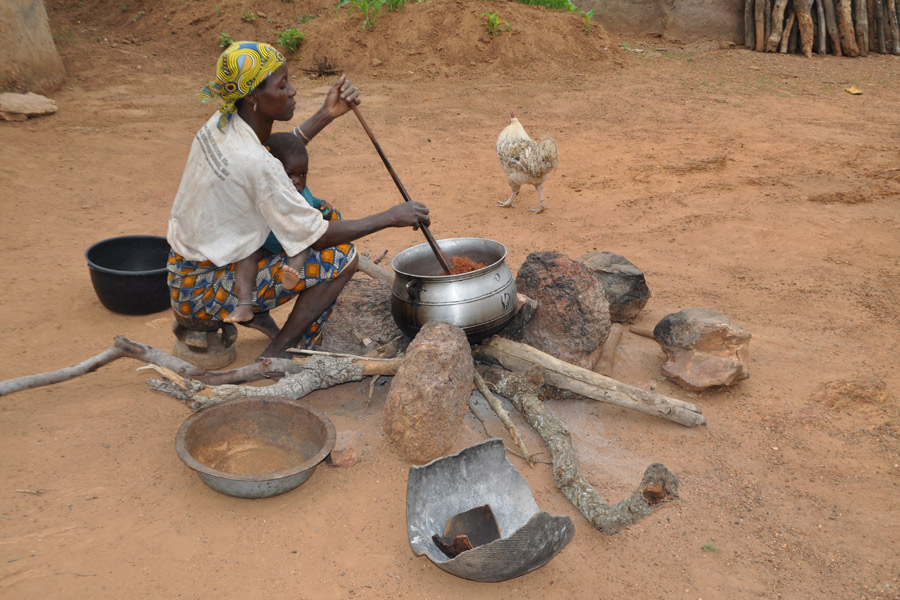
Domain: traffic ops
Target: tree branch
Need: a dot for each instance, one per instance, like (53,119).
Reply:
(658,485)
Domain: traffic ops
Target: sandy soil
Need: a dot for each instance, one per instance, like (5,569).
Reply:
(748,183)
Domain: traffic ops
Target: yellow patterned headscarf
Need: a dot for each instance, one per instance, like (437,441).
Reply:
(240,68)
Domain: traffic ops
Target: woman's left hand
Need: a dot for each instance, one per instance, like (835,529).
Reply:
(339,97)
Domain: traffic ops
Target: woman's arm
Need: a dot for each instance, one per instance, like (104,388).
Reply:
(346,231)
(337,102)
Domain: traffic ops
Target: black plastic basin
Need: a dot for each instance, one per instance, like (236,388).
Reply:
(129,273)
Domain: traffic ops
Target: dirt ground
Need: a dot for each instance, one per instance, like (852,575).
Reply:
(749,183)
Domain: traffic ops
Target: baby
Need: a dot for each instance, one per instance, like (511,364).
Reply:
(291,151)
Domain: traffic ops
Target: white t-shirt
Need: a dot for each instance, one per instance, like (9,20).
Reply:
(232,193)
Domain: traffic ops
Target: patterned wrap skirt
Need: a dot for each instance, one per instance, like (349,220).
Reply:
(201,290)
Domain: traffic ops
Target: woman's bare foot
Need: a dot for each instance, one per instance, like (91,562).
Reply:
(290,277)
(264,323)
(240,314)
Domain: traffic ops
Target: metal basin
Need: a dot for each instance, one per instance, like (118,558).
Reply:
(255,447)
(479,475)
(480,302)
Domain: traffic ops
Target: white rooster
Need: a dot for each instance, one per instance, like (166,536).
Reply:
(524,160)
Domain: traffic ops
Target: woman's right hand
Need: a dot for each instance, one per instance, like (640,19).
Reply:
(409,213)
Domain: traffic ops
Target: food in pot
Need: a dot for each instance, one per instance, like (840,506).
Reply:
(464,264)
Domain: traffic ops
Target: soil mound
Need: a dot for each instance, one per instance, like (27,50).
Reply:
(428,39)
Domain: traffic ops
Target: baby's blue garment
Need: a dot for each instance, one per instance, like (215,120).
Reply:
(272,244)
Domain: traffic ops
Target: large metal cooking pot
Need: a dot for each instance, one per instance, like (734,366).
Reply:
(480,302)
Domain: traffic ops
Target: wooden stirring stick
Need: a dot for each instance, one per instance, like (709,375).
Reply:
(431,241)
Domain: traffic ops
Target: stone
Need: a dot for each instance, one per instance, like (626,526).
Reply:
(429,395)
(20,107)
(572,319)
(361,319)
(703,349)
(515,329)
(623,283)
(344,453)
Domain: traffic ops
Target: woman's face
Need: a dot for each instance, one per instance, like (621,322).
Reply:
(275,97)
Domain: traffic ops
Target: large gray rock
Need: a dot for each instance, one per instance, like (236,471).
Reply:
(572,319)
(429,396)
(703,349)
(623,283)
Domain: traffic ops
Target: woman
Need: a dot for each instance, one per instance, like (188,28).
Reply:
(233,193)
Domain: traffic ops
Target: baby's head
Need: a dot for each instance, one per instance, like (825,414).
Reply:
(291,151)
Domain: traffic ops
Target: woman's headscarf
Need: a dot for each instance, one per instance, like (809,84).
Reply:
(240,68)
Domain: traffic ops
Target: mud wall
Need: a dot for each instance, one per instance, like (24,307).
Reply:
(30,60)
(682,20)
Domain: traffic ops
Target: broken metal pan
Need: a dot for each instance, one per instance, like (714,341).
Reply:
(482,475)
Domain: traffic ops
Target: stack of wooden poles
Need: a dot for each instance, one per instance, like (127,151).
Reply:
(839,27)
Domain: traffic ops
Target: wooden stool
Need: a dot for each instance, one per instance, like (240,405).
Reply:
(204,343)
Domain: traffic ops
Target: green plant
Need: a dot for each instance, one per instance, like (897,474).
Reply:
(708,547)
(123,8)
(368,8)
(494,23)
(249,17)
(587,20)
(291,39)
(394,5)
(225,40)
(288,1)
(306,18)
(218,11)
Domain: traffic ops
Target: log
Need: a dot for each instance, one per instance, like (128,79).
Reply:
(607,358)
(788,31)
(658,485)
(894,20)
(374,271)
(779,28)
(760,22)
(821,35)
(804,27)
(501,413)
(315,373)
(870,10)
(564,376)
(879,27)
(845,25)
(861,18)
(831,25)
(125,348)
(768,18)
(749,24)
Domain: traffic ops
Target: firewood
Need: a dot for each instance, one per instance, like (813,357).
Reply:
(318,372)
(804,26)
(658,485)
(374,271)
(604,364)
(501,413)
(845,25)
(125,348)
(564,376)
